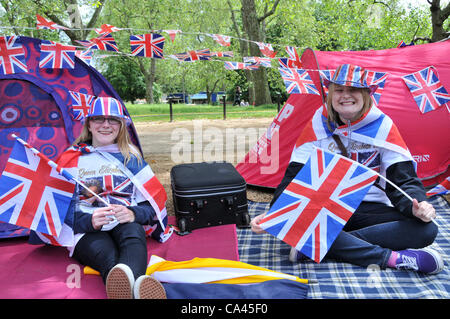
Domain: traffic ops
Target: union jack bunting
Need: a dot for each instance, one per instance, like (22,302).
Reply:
(239,66)
(104,42)
(294,59)
(256,60)
(426,89)
(298,81)
(56,56)
(81,104)
(172,33)
(107,28)
(32,193)
(192,56)
(315,206)
(43,23)
(223,40)
(12,55)
(287,63)
(266,49)
(223,54)
(147,45)
(85,55)
(379,79)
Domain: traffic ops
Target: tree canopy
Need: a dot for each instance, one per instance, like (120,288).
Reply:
(318,24)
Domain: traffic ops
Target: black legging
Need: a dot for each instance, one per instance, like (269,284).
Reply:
(102,250)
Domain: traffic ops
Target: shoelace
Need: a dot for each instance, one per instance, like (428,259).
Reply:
(408,262)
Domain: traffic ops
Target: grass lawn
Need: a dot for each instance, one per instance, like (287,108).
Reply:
(181,112)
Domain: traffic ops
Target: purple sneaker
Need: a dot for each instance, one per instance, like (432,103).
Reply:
(424,260)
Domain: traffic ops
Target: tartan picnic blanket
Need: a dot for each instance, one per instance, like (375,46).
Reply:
(343,280)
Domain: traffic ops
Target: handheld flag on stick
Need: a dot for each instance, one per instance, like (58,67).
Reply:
(319,201)
(34,193)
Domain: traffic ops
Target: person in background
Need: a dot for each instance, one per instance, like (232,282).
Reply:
(237,96)
(387,229)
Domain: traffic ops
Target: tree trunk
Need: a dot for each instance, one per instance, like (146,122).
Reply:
(252,28)
(438,17)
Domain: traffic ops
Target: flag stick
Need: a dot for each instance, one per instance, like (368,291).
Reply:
(384,178)
(58,169)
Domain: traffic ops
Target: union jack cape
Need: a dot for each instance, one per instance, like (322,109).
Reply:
(374,128)
(143,179)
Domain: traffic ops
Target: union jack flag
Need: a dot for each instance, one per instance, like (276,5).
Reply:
(147,45)
(104,42)
(326,75)
(192,56)
(298,81)
(294,59)
(172,33)
(85,55)
(223,54)
(379,79)
(223,40)
(266,49)
(426,89)
(32,193)
(316,205)
(56,56)
(107,28)
(81,104)
(256,60)
(43,23)
(441,189)
(12,55)
(229,65)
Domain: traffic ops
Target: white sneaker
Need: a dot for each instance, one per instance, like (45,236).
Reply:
(147,287)
(120,282)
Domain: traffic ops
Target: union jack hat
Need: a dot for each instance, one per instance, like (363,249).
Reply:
(108,106)
(350,75)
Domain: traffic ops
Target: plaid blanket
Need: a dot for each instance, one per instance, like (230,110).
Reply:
(343,280)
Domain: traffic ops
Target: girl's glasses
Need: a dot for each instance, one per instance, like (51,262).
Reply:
(101,120)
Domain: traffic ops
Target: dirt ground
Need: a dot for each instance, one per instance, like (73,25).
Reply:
(160,139)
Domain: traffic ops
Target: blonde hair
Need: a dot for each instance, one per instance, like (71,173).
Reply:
(123,141)
(333,116)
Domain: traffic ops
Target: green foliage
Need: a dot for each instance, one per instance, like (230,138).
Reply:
(124,75)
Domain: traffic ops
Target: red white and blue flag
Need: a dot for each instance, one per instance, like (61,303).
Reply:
(12,55)
(441,189)
(43,23)
(426,89)
(149,45)
(229,65)
(266,49)
(32,193)
(223,40)
(56,55)
(294,60)
(223,54)
(104,42)
(258,61)
(192,56)
(81,104)
(316,205)
(379,79)
(85,55)
(106,29)
(298,81)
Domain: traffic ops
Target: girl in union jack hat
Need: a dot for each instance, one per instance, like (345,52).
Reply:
(386,229)
(106,229)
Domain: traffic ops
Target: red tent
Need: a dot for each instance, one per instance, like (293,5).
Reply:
(427,135)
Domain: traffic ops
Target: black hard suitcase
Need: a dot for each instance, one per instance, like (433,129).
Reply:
(208,194)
